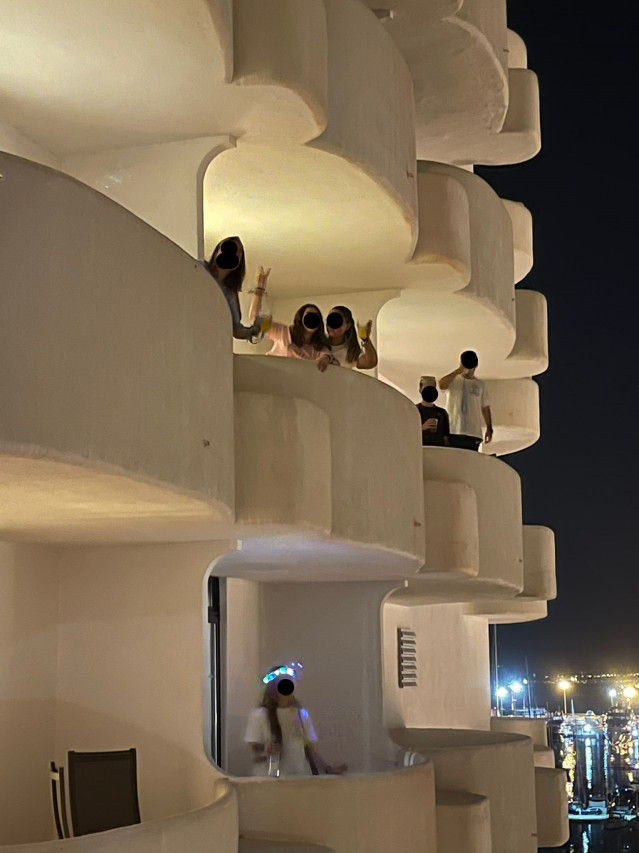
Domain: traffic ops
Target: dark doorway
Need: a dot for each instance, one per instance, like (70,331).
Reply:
(215,672)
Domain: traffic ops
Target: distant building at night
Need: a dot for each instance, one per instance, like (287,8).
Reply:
(182,514)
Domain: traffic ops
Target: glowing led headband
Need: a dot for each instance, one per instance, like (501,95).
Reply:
(291,669)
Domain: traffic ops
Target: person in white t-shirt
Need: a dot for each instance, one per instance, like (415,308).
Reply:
(344,340)
(468,405)
(281,733)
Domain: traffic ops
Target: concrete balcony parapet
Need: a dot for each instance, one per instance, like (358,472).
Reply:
(497,766)
(192,831)
(472,525)
(514,404)
(521,219)
(540,580)
(351,814)
(532,728)
(312,496)
(463,823)
(553,827)
(540,584)
(117,417)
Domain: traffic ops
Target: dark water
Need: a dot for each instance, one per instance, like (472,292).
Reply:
(593,838)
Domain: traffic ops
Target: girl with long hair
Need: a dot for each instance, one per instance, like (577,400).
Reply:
(305,338)
(227,265)
(344,340)
(281,729)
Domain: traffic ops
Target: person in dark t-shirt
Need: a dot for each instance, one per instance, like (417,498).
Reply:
(435,426)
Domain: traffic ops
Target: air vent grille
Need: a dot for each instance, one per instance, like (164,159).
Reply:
(407,657)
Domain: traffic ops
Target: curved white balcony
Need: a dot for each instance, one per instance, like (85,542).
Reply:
(540,581)
(514,404)
(521,220)
(351,814)
(327,475)
(553,828)
(463,823)
(472,527)
(532,728)
(496,766)
(137,74)
(192,831)
(529,355)
(117,417)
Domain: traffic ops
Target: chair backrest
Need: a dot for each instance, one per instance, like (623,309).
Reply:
(103,790)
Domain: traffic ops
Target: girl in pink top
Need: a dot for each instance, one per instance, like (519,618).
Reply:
(305,338)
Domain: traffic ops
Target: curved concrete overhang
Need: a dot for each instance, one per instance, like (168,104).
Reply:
(346,203)
(148,71)
(514,404)
(457,58)
(529,356)
(540,581)
(511,611)
(117,415)
(521,219)
(327,473)
(472,527)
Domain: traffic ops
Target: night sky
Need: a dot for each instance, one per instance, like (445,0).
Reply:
(582,476)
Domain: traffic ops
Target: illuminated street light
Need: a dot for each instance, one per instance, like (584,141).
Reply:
(564,685)
(629,692)
(613,695)
(516,686)
(501,694)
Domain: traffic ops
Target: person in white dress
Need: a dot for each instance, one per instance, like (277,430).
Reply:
(281,732)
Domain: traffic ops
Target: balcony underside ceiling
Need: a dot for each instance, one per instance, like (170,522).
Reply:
(47,500)
(136,73)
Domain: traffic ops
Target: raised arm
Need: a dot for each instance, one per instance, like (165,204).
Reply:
(445,381)
(258,293)
(368,359)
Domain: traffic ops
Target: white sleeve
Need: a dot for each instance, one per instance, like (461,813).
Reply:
(307,723)
(485,399)
(257,727)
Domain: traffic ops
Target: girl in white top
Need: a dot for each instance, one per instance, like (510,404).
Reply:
(282,726)
(345,347)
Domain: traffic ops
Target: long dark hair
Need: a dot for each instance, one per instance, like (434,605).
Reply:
(318,339)
(235,278)
(269,702)
(353,349)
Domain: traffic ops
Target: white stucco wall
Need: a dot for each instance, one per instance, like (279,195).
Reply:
(28,653)
(453,689)
(334,630)
(132,665)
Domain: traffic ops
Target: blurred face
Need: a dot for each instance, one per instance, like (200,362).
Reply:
(336,324)
(229,254)
(282,690)
(311,319)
